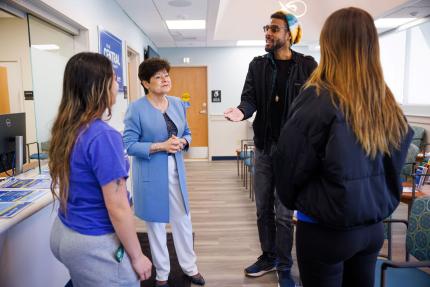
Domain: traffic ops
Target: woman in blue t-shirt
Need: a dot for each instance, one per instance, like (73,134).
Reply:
(89,168)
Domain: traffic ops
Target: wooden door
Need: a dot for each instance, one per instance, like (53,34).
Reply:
(191,82)
(4,92)
(132,72)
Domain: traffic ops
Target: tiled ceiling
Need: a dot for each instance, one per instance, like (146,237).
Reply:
(230,20)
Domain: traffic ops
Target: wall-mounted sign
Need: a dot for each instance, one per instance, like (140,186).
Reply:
(28,95)
(216,96)
(111,47)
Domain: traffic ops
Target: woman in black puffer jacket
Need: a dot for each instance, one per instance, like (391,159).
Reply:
(340,154)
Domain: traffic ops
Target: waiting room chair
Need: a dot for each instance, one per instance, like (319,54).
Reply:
(392,274)
(419,133)
(241,155)
(42,151)
(410,162)
(418,140)
(249,164)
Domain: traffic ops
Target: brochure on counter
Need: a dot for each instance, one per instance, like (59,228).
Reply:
(34,183)
(12,200)
(28,195)
(9,209)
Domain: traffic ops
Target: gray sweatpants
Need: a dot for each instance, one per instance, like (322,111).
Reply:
(91,259)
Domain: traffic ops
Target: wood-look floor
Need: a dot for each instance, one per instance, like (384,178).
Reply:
(224,223)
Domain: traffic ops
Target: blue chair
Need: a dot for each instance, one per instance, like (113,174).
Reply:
(241,155)
(39,155)
(392,274)
(249,168)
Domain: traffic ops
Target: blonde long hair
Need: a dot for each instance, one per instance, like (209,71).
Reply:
(86,96)
(350,69)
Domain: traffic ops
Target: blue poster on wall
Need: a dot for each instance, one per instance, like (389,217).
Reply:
(111,47)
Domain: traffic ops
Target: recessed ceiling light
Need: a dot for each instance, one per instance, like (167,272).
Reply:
(179,3)
(250,43)
(391,22)
(186,24)
(46,47)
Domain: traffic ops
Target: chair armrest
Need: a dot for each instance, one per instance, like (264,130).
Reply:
(404,221)
(423,145)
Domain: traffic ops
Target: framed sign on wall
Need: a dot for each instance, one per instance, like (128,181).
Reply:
(111,47)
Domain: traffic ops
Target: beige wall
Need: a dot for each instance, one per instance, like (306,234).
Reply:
(15,48)
(225,136)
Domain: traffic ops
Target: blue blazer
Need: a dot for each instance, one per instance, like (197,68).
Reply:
(145,125)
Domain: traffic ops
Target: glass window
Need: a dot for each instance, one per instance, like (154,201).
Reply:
(51,48)
(419,65)
(392,50)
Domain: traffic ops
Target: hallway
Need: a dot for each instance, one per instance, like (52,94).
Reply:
(224,223)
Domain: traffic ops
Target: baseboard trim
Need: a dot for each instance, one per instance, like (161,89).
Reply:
(224,157)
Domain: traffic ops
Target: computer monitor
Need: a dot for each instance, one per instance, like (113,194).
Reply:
(11,125)
(150,53)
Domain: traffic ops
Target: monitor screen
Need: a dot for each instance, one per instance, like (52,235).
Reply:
(151,53)
(11,125)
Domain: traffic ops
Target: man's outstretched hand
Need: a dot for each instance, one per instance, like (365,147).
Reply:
(233,114)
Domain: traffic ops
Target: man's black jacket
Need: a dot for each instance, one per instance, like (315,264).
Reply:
(322,170)
(259,89)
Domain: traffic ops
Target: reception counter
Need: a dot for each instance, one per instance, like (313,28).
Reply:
(25,255)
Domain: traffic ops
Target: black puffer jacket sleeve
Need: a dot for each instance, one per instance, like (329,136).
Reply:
(248,101)
(296,159)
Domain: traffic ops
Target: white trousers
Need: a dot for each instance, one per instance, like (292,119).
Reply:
(181,229)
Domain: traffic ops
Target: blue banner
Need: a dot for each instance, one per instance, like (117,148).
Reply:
(111,47)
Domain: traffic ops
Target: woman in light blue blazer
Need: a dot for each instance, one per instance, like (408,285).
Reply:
(156,132)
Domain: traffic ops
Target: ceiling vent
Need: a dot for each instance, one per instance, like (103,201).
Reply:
(179,3)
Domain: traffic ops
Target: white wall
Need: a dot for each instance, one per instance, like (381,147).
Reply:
(227,68)
(109,15)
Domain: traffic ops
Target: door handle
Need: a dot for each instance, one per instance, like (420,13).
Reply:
(204,109)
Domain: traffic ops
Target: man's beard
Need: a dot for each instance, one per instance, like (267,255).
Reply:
(275,46)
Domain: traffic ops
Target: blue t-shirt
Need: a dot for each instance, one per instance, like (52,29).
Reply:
(305,218)
(98,157)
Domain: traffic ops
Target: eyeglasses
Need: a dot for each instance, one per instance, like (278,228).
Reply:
(273,28)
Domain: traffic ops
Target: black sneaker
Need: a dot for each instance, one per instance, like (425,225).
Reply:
(285,279)
(263,265)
